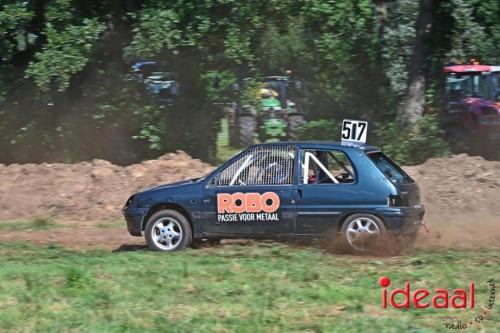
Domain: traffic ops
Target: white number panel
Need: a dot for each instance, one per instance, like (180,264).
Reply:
(354,130)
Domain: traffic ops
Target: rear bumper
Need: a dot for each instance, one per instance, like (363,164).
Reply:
(134,218)
(403,220)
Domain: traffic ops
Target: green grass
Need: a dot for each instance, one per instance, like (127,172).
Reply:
(39,223)
(111,224)
(264,287)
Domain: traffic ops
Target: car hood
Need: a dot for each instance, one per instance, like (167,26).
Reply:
(170,185)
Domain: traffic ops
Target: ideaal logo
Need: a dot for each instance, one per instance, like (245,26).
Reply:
(247,207)
(440,299)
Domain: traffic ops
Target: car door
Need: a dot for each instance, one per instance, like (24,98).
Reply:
(254,195)
(327,189)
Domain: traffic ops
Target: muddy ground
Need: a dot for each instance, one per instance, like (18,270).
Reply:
(461,194)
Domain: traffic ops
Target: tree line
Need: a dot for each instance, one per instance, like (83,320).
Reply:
(66,91)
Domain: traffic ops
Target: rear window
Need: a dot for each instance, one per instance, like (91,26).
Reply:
(390,169)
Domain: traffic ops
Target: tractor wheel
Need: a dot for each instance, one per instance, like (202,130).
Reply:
(246,126)
(460,141)
(294,123)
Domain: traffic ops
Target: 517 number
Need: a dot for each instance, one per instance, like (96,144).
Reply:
(354,130)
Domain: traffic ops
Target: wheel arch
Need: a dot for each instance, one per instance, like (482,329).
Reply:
(166,205)
(346,216)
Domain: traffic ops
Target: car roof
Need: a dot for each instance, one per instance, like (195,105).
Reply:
(467,68)
(143,63)
(322,145)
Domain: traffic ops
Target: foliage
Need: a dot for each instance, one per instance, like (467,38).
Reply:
(65,93)
(414,147)
(398,35)
(13,18)
(249,91)
(219,85)
(472,38)
(66,53)
(321,129)
(408,148)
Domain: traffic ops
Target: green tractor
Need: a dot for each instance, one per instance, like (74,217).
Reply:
(276,111)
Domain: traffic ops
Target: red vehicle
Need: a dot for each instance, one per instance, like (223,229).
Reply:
(473,108)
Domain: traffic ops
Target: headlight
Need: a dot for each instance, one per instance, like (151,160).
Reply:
(129,202)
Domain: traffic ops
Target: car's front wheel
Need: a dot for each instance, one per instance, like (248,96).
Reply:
(168,230)
(363,233)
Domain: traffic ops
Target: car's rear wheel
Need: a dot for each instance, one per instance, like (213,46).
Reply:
(168,231)
(363,233)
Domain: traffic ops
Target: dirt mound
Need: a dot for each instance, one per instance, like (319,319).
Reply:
(459,184)
(93,190)
(461,195)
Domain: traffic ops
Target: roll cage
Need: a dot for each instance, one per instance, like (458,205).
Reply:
(276,165)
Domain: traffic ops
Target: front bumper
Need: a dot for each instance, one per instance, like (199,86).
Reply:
(134,218)
(403,220)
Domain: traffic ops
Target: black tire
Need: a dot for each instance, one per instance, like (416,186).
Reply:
(370,244)
(294,123)
(246,126)
(180,224)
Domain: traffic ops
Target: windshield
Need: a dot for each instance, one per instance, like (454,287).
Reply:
(277,88)
(459,86)
(390,169)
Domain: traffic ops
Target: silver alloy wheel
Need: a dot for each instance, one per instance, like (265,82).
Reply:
(166,233)
(361,232)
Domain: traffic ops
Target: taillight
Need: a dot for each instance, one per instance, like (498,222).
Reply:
(397,201)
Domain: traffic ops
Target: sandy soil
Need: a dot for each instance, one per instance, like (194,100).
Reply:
(461,194)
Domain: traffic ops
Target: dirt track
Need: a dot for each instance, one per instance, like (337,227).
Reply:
(461,195)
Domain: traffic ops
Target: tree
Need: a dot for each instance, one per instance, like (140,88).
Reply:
(413,104)
(66,92)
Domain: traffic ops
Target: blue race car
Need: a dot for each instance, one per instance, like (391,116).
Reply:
(282,190)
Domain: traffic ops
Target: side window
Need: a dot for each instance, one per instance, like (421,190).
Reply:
(326,167)
(390,169)
(483,90)
(496,82)
(260,166)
